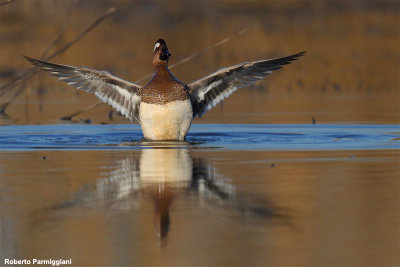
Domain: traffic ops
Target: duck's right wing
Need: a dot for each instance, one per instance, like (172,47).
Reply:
(206,92)
(122,95)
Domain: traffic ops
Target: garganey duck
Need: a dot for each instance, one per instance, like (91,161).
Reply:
(165,106)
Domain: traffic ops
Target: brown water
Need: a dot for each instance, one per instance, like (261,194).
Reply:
(223,207)
(256,185)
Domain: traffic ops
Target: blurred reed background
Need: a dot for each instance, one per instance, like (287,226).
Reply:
(349,74)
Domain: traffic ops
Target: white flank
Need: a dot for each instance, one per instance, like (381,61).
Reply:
(166,122)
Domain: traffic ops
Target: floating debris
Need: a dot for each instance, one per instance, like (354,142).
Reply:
(87,121)
(66,118)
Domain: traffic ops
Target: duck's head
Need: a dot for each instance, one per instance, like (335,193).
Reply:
(160,53)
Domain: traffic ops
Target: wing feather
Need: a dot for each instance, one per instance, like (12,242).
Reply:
(207,92)
(122,95)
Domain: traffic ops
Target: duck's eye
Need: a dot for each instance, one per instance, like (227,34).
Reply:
(156,46)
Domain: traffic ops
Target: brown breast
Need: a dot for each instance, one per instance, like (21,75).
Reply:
(163,88)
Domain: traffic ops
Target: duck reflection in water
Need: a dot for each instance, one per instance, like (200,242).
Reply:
(163,174)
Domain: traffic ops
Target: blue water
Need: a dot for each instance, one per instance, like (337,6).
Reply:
(218,136)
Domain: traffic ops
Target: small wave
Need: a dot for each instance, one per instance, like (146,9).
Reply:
(218,136)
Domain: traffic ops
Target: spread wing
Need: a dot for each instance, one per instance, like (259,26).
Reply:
(120,94)
(207,92)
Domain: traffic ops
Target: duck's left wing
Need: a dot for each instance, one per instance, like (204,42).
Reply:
(207,92)
(122,95)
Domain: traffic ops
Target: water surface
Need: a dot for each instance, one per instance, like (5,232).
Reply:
(221,136)
(231,195)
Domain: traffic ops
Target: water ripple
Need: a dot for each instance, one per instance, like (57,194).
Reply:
(221,136)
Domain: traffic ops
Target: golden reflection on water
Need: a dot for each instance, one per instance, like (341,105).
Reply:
(161,175)
(115,208)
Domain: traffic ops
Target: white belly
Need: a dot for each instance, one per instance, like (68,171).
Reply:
(166,122)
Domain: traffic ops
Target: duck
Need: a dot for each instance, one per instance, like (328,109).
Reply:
(165,107)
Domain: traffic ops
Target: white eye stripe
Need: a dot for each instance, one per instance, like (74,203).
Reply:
(156,46)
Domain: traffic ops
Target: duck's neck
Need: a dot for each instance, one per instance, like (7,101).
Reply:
(160,66)
(161,69)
